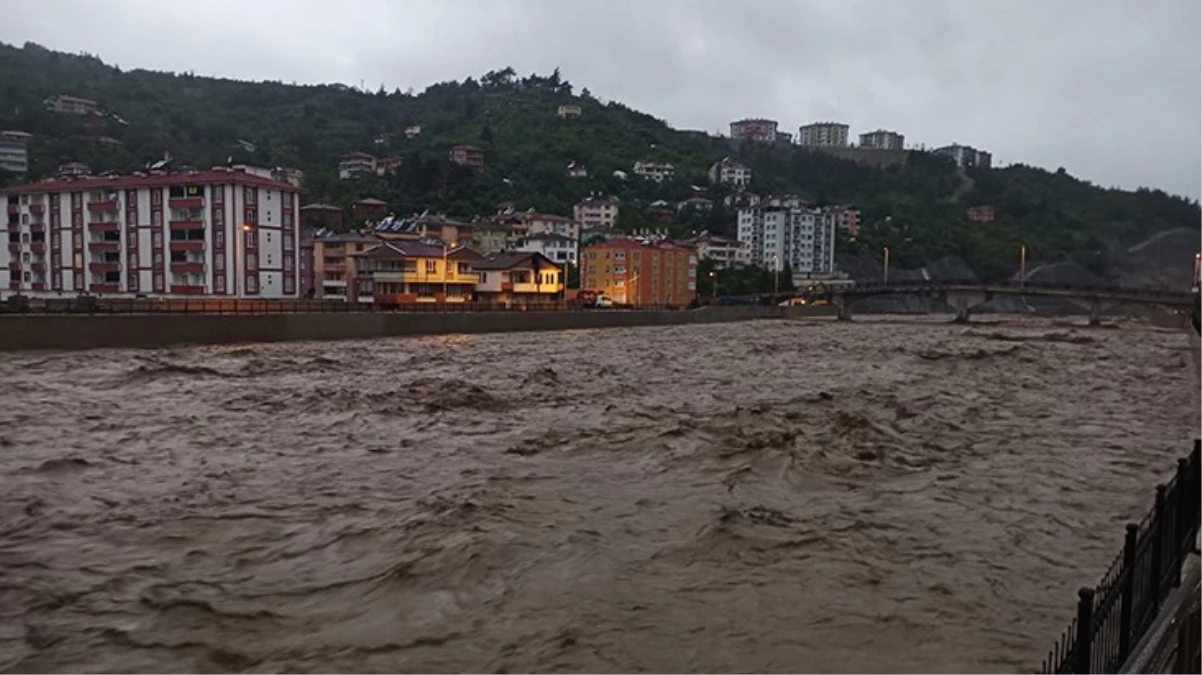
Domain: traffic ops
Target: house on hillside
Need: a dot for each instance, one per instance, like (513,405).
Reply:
(575,170)
(467,155)
(356,164)
(555,247)
(568,112)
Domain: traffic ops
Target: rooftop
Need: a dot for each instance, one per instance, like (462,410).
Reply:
(508,261)
(149,180)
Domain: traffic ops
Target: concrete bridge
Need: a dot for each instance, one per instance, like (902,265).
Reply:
(963,296)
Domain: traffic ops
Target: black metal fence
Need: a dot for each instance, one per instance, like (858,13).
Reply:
(1116,614)
(93,305)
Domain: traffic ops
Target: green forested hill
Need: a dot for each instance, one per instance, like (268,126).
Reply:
(200,122)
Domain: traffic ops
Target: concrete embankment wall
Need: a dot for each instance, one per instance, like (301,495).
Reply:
(148,331)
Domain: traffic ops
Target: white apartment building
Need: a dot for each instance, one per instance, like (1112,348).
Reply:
(727,171)
(220,233)
(823,134)
(654,171)
(725,252)
(882,139)
(794,237)
(554,247)
(14,151)
(596,212)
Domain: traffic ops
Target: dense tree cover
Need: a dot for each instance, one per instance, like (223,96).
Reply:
(916,209)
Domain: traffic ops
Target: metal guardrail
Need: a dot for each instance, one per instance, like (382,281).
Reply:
(242,306)
(1114,616)
(974,284)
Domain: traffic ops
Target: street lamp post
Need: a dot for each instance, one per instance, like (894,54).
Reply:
(714,284)
(1197,270)
(775,276)
(886,265)
(1022,266)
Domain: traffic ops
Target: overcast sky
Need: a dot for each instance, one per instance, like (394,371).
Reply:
(1111,90)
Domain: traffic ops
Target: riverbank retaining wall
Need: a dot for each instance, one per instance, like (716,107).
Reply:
(151,331)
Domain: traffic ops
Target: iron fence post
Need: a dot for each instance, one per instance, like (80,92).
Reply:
(1181,521)
(1084,646)
(1157,547)
(1128,598)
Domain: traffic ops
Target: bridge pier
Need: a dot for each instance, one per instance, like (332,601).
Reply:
(961,311)
(1095,312)
(844,306)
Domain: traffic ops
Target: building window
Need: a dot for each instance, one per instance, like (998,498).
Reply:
(431,266)
(158,282)
(220,284)
(133,259)
(248,195)
(252,285)
(158,258)
(219,263)
(156,198)
(251,240)
(219,239)
(25,276)
(25,238)
(287,263)
(252,263)
(289,287)
(218,195)
(157,239)
(156,218)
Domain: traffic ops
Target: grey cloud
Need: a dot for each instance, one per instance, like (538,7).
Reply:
(1108,89)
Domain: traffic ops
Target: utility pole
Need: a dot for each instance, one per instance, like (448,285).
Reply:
(714,284)
(886,265)
(1022,266)
(775,276)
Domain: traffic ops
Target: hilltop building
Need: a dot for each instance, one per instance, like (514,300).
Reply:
(823,134)
(754,129)
(966,156)
(882,140)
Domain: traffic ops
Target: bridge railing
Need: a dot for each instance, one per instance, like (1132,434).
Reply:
(945,284)
(1115,615)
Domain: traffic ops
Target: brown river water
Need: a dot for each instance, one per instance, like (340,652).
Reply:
(881,496)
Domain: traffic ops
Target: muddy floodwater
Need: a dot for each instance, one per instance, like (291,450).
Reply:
(884,495)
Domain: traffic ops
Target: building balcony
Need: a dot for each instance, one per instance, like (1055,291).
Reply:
(14,208)
(104,267)
(38,286)
(37,227)
(37,247)
(14,267)
(38,266)
(104,226)
(14,285)
(192,289)
(14,227)
(187,225)
(104,288)
(196,245)
(336,269)
(104,246)
(110,206)
(532,288)
(14,247)
(183,267)
(37,208)
(186,203)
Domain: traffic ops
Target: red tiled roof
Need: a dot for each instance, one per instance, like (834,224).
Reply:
(121,182)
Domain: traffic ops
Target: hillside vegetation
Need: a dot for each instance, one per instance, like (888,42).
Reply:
(916,209)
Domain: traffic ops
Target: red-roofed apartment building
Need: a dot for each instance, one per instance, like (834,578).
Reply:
(217,233)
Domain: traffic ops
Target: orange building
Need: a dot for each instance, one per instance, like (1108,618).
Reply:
(641,273)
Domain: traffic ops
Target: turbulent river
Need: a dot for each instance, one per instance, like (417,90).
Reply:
(883,495)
